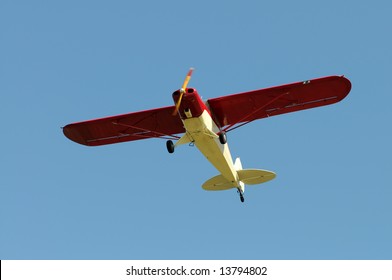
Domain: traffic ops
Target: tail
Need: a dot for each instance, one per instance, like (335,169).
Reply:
(238,167)
(245,176)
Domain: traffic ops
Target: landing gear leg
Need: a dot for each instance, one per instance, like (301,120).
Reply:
(241,195)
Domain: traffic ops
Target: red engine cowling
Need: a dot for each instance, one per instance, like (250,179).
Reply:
(191,106)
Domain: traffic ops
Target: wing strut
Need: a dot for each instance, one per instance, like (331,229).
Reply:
(241,122)
(159,134)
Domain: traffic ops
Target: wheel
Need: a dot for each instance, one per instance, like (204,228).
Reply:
(170,146)
(241,195)
(222,138)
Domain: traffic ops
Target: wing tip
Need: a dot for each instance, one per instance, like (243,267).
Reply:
(342,85)
(347,86)
(72,134)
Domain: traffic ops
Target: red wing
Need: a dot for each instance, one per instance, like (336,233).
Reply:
(242,108)
(128,127)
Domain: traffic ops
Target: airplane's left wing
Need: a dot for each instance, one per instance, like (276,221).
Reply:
(232,111)
(155,123)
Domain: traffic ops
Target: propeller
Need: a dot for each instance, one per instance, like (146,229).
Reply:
(182,90)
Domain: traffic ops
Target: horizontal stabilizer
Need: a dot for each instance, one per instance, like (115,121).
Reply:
(255,176)
(218,183)
(247,176)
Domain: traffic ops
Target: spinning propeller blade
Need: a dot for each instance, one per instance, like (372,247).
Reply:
(182,90)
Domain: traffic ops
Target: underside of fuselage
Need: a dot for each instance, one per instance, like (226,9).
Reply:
(204,133)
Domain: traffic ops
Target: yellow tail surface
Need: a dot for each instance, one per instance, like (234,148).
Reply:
(247,176)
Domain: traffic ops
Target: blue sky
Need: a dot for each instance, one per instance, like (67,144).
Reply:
(67,61)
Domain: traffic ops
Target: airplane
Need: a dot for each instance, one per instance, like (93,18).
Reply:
(204,124)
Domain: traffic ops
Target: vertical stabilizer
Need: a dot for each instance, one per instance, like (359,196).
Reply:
(238,166)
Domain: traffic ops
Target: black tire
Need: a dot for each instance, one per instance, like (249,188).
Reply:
(170,146)
(223,138)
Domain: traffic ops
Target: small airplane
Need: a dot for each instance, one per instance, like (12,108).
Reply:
(205,123)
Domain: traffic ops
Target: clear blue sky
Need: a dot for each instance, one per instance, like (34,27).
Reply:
(67,61)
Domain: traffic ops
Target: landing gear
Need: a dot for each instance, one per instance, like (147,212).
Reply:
(170,146)
(222,138)
(241,195)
